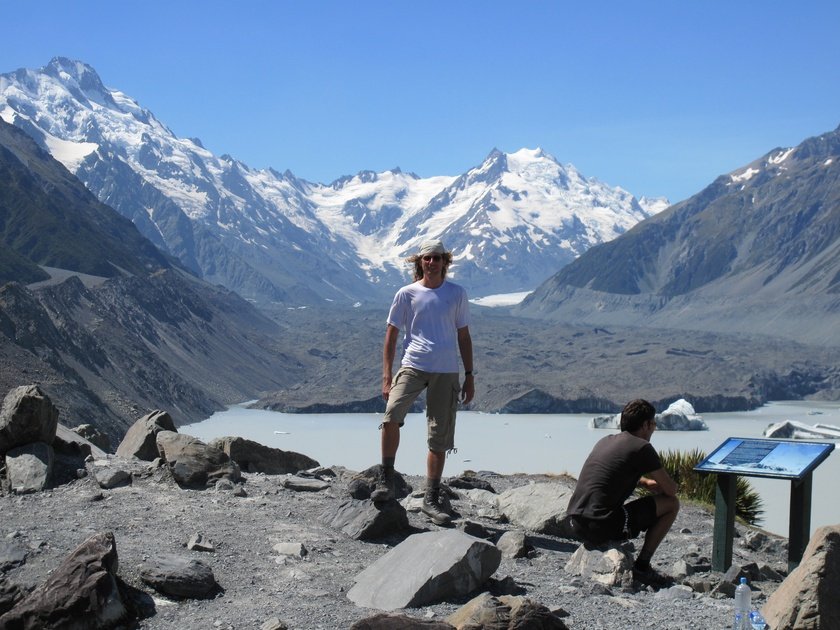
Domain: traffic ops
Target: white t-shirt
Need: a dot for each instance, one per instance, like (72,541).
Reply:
(430,319)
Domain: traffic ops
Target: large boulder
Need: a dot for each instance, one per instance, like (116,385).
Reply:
(608,564)
(539,507)
(363,484)
(178,576)
(27,415)
(366,520)
(80,593)
(70,442)
(29,468)
(140,439)
(505,612)
(255,457)
(807,599)
(426,568)
(192,463)
(94,436)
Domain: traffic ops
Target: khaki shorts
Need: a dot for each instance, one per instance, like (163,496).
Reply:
(442,391)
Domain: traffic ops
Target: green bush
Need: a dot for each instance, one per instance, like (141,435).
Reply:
(702,487)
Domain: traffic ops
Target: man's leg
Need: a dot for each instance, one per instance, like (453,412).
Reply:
(435,461)
(442,405)
(666,512)
(433,505)
(390,441)
(406,387)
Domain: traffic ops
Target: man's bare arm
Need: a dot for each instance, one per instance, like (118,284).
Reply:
(389,350)
(659,482)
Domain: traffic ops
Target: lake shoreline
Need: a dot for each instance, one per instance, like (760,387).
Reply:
(520,444)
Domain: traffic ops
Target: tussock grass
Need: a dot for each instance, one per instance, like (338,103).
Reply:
(701,487)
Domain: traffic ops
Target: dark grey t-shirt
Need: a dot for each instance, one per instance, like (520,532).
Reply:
(610,474)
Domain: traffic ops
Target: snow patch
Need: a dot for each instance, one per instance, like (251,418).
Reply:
(69,153)
(780,157)
(748,174)
(501,299)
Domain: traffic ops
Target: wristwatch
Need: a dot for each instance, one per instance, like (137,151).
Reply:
(469,373)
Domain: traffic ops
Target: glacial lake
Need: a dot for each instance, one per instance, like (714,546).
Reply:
(527,443)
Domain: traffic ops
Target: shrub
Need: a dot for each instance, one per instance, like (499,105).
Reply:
(702,487)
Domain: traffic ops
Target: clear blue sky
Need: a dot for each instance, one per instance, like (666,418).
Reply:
(659,97)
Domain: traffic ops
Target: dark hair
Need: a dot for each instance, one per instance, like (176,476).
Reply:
(635,414)
(417,262)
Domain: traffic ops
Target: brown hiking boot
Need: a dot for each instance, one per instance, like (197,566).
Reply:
(433,506)
(384,489)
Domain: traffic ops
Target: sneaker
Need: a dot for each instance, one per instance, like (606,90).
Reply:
(384,489)
(434,508)
(652,577)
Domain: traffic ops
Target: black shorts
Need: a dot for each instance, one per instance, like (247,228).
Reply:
(622,524)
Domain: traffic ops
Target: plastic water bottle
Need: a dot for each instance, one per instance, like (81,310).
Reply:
(743,601)
(756,620)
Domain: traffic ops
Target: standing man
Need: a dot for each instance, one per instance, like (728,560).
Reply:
(617,464)
(433,314)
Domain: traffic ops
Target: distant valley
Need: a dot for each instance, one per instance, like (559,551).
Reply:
(263,286)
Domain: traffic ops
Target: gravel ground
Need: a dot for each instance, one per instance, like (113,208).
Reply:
(153,516)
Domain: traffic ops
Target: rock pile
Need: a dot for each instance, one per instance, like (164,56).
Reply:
(210,538)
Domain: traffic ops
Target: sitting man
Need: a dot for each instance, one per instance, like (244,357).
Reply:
(617,464)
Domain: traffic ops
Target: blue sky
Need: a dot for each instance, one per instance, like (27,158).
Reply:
(656,97)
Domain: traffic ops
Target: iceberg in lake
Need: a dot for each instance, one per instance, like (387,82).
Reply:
(679,416)
(792,429)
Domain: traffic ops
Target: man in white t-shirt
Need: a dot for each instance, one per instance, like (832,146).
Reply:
(433,314)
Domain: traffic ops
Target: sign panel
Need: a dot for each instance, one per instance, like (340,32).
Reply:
(781,459)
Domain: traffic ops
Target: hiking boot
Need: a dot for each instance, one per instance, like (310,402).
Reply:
(652,577)
(433,507)
(384,489)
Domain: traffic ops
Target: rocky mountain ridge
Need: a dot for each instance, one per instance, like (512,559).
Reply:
(757,251)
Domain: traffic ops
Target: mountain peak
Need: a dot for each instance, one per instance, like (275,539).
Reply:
(78,71)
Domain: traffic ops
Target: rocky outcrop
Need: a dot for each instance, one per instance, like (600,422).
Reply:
(252,456)
(539,507)
(363,483)
(27,415)
(83,592)
(193,463)
(29,468)
(444,564)
(807,599)
(140,439)
(609,565)
(180,577)
(505,612)
(365,520)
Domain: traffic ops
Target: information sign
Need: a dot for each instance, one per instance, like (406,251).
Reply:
(794,460)
(784,459)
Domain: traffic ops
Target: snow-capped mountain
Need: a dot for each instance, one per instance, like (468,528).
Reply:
(511,222)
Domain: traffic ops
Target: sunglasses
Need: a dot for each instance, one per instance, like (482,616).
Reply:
(432,258)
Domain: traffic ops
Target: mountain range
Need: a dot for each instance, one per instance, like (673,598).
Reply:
(756,252)
(728,299)
(105,323)
(512,221)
